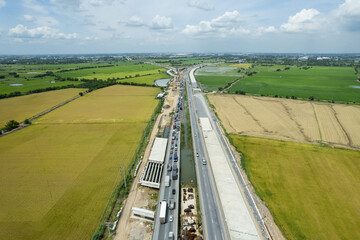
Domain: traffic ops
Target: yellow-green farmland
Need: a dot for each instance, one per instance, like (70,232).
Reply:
(116,104)
(56,178)
(313,192)
(20,108)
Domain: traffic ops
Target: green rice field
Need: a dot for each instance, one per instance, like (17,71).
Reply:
(211,78)
(337,84)
(313,192)
(148,80)
(212,83)
(25,78)
(120,70)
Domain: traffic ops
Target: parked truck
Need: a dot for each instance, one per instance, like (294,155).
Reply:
(162,214)
(167,181)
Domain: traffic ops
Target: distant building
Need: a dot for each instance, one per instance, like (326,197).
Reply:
(304,58)
(322,58)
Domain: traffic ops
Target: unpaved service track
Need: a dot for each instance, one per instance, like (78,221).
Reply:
(285,119)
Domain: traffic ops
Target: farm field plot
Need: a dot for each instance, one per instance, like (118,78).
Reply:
(325,83)
(23,85)
(119,103)
(286,119)
(56,178)
(22,107)
(212,83)
(24,78)
(213,77)
(241,65)
(312,192)
(148,80)
(120,70)
(220,70)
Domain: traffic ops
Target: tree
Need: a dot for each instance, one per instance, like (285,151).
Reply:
(80,93)
(27,121)
(10,125)
(311,98)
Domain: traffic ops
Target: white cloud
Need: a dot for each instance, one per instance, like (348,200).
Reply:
(21,31)
(348,15)
(42,21)
(67,4)
(350,8)
(307,20)
(29,18)
(202,27)
(90,38)
(262,30)
(161,22)
(135,21)
(200,5)
(2,3)
(84,5)
(227,19)
(34,5)
(238,31)
(227,24)
(67,36)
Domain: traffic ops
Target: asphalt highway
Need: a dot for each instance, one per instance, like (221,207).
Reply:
(212,217)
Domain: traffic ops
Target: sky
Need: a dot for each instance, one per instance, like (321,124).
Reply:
(181,26)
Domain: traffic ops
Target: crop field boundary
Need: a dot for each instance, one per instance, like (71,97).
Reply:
(317,121)
(119,194)
(23,124)
(341,126)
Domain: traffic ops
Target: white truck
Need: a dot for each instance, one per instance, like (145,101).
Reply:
(167,181)
(162,214)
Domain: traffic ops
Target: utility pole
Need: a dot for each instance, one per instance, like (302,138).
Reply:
(108,224)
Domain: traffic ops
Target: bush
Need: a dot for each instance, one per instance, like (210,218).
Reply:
(27,121)
(10,125)
(99,234)
(240,92)
(311,98)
